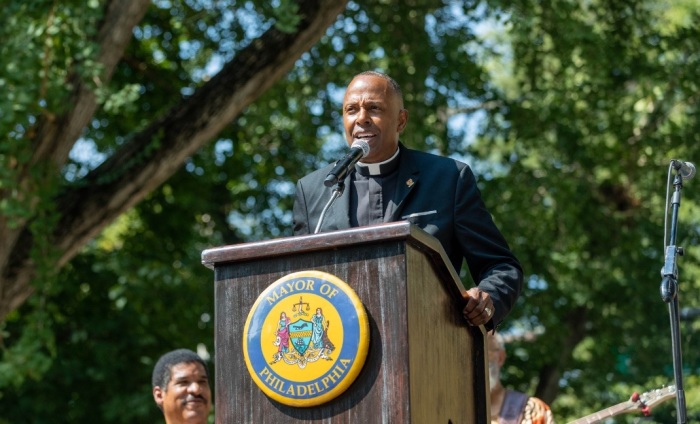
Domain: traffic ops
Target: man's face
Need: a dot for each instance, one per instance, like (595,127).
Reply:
(497,357)
(373,112)
(187,398)
(493,349)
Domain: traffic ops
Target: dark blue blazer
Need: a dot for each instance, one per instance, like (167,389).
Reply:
(440,196)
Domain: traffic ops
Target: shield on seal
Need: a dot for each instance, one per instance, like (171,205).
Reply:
(300,332)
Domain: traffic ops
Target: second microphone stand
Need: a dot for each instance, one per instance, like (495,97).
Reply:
(669,294)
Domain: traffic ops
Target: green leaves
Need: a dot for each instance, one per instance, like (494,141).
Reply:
(568,111)
(287,16)
(31,355)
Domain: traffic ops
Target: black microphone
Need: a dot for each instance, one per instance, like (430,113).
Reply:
(686,169)
(358,150)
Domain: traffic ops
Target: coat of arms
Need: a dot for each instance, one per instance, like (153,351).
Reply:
(304,340)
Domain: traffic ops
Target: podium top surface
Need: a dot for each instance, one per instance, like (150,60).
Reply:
(331,240)
(401,230)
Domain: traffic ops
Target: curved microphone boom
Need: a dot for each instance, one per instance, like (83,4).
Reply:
(685,169)
(358,150)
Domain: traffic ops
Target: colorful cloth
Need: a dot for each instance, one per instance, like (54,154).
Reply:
(519,408)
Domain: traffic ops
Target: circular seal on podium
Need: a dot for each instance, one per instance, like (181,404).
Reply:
(306,338)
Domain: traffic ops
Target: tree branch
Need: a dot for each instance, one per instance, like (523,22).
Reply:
(158,151)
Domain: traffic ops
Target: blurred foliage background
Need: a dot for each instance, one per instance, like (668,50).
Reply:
(569,112)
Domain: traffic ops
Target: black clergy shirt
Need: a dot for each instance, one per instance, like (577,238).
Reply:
(375,185)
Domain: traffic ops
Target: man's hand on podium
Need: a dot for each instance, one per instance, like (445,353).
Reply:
(479,307)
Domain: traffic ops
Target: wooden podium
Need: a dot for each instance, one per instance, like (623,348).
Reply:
(425,365)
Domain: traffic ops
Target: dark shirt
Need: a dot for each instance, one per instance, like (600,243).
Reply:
(375,186)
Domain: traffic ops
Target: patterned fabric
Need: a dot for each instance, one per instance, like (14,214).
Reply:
(537,412)
(519,408)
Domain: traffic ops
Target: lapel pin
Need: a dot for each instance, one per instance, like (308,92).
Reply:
(410,183)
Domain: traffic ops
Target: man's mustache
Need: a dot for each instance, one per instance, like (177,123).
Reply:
(191,398)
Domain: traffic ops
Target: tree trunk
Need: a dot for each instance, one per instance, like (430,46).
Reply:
(548,387)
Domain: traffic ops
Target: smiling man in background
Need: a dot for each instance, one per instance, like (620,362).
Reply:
(181,387)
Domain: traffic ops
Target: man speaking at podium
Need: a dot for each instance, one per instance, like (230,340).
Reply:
(392,183)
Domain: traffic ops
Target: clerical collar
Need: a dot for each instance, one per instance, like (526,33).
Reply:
(381,168)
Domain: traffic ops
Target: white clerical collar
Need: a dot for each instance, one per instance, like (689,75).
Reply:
(380,168)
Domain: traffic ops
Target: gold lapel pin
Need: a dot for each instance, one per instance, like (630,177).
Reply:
(410,183)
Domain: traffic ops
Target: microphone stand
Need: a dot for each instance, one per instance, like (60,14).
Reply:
(669,294)
(337,192)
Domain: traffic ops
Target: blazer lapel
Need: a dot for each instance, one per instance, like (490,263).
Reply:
(409,173)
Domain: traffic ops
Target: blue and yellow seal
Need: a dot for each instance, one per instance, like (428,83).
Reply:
(306,338)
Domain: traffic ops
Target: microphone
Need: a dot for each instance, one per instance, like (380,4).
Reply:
(358,150)
(686,169)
